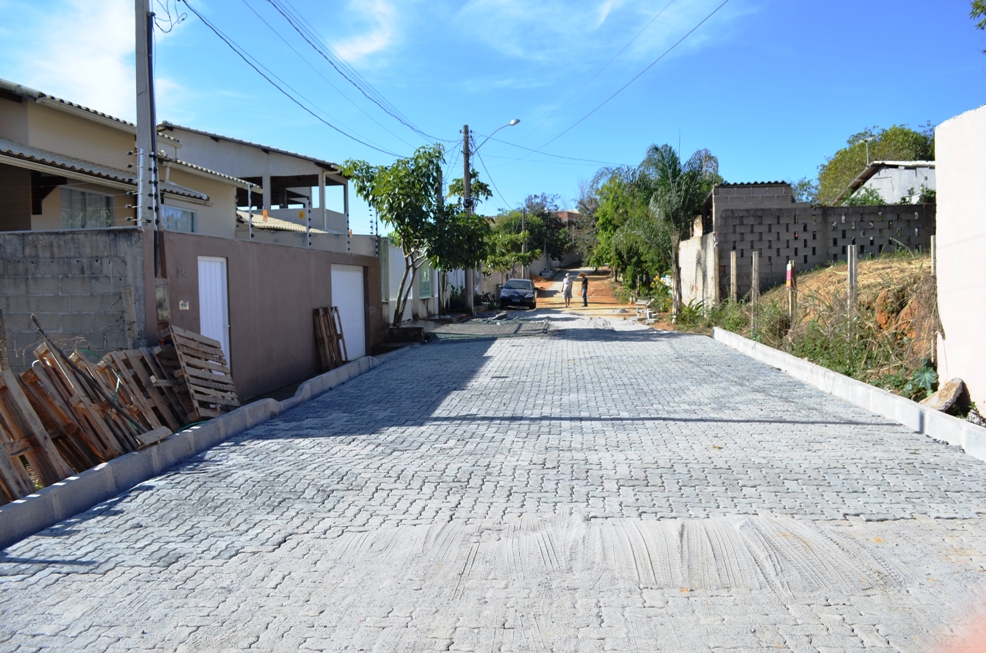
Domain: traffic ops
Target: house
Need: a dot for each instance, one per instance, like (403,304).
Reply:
(763,217)
(73,254)
(960,148)
(896,182)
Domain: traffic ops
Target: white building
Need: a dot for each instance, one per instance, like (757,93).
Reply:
(895,181)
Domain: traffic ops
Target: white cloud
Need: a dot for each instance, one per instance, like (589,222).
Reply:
(383,16)
(83,52)
(558,31)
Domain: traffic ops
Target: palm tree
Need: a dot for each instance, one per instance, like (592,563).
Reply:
(676,194)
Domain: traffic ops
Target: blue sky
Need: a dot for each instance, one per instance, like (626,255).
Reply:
(771,87)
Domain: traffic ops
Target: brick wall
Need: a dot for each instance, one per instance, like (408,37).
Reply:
(76,283)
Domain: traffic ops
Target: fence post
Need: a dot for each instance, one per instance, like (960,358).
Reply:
(733,288)
(792,291)
(754,290)
(853,280)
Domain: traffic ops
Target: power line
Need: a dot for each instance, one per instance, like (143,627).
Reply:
(557,156)
(635,77)
(309,37)
(598,72)
(256,67)
(506,204)
(319,73)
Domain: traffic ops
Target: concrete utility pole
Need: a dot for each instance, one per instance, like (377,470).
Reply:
(792,291)
(470,289)
(754,289)
(147,120)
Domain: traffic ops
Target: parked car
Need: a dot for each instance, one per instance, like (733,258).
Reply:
(518,292)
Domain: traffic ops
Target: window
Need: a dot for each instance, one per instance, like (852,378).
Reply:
(84,210)
(175,219)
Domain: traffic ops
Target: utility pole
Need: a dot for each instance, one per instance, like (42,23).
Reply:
(523,245)
(147,142)
(146,115)
(470,290)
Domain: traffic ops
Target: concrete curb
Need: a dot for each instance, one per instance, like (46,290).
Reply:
(36,512)
(954,431)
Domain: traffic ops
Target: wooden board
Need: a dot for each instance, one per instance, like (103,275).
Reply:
(201,364)
(328,337)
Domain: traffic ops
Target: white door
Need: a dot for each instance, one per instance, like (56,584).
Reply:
(347,294)
(214,301)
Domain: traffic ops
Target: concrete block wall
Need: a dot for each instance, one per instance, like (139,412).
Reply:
(74,282)
(813,235)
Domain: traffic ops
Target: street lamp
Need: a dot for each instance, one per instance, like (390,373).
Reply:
(470,289)
(867,141)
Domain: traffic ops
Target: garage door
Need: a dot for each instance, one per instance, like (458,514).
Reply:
(347,294)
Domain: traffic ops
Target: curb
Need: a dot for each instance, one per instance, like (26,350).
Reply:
(34,513)
(934,424)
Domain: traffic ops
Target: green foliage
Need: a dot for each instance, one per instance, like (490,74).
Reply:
(478,190)
(928,195)
(405,195)
(505,248)
(925,377)
(805,190)
(898,143)
(864,197)
(979,11)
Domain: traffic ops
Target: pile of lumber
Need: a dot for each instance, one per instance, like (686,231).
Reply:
(328,336)
(69,413)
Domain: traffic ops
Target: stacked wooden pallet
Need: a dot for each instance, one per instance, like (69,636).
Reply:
(329,338)
(69,413)
(24,439)
(200,365)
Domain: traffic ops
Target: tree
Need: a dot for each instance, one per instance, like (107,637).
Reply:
(676,195)
(405,196)
(460,241)
(898,143)
(805,190)
(979,11)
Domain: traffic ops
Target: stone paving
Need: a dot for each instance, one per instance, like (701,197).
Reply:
(603,487)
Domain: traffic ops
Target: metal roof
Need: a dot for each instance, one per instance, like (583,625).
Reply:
(56,102)
(321,162)
(71,164)
(198,168)
(875,167)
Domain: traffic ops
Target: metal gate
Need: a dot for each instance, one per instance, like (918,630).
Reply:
(214,301)
(347,294)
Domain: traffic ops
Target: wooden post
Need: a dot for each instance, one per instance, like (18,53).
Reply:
(934,258)
(792,291)
(852,260)
(733,287)
(754,290)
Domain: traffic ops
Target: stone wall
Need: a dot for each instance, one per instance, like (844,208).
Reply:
(86,288)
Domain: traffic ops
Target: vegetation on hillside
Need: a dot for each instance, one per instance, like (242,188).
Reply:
(887,340)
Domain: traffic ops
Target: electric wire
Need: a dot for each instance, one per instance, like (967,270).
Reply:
(598,72)
(359,79)
(384,105)
(506,204)
(257,68)
(633,79)
(557,156)
(319,73)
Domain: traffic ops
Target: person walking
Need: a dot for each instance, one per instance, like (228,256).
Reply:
(585,289)
(566,289)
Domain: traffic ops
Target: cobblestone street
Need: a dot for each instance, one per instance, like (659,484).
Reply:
(599,487)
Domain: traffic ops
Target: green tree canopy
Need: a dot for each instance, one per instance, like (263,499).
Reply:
(898,143)
(979,11)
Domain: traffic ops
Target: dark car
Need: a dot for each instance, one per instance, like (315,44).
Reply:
(518,292)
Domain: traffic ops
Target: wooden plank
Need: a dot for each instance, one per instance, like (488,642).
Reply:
(153,437)
(192,348)
(37,429)
(205,375)
(191,335)
(128,363)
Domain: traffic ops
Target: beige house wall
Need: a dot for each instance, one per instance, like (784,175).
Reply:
(960,152)
(218,216)
(59,131)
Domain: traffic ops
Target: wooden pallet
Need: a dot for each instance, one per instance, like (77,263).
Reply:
(24,442)
(201,365)
(58,419)
(151,386)
(329,338)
